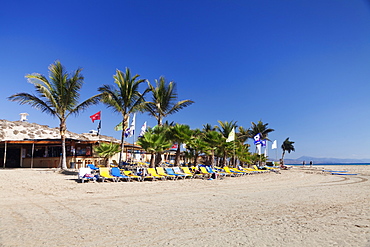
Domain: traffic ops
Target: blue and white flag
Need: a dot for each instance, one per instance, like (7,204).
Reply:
(257,139)
(131,130)
(263,143)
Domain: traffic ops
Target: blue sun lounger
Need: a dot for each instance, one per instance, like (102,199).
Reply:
(115,171)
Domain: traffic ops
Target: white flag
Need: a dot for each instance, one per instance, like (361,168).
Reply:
(143,129)
(274,145)
(231,136)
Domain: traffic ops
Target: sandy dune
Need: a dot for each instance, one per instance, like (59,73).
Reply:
(299,207)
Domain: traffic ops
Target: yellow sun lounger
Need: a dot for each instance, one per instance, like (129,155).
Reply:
(257,169)
(161,172)
(153,172)
(131,175)
(105,174)
(187,171)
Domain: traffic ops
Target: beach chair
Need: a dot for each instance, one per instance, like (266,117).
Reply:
(104,174)
(133,176)
(204,171)
(161,172)
(177,170)
(117,173)
(153,172)
(92,167)
(238,170)
(210,170)
(84,173)
(228,172)
(187,171)
(257,169)
(170,171)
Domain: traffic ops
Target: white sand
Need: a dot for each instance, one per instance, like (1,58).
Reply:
(299,207)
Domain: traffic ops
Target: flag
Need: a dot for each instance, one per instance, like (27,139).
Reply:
(96,116)
(257,139)
(231,136)
(99,127)
(174,146)
(119,126)
(263,142)
(143,129)
(274,145)
(131,130)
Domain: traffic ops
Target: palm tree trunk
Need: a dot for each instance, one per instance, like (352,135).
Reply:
(62,131)
(152,165)
(122,147)
(177,159)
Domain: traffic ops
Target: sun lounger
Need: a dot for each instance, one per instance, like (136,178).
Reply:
(171,172)
(105,174)
(238,170)
(228,172)
(133,176)
(187,171)
(153,172)
(260,170)
(92,167)
(117,173)
(204,171)
(210,170)
(84,173)
(161,172)
(177,170)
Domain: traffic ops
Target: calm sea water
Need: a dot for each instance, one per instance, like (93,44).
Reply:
(333,164)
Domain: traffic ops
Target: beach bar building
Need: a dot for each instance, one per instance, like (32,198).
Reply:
(30,145)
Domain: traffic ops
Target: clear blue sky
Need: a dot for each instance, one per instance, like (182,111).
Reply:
(301,66)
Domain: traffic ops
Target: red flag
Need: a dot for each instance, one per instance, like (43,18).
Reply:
(174,146)
(96,116)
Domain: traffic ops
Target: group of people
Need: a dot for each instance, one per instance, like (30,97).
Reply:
(304,163)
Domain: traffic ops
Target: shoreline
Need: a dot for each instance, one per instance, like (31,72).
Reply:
(301,206)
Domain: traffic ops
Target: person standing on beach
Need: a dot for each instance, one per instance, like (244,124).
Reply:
(304,163)
(311,163)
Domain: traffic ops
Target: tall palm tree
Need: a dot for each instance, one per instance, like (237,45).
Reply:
(154,142)
(259,128)
(123,98)
(287,146)
(58,97)
(164,98)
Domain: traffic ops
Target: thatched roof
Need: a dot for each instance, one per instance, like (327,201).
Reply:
(18,131)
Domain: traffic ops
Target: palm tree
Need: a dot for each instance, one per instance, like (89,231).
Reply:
(259,128)
(225,130)
(107,150)
(226,127)
(214,140)
(164,98)
(57,97)
(196,144)
(154,142)
(179,134)
(242,134)
(287,146)
(123,98)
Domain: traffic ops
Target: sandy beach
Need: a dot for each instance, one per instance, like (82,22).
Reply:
(298,207)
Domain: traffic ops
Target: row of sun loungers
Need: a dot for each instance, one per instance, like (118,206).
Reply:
(115,174)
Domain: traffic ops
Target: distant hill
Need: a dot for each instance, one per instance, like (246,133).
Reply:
(324,160)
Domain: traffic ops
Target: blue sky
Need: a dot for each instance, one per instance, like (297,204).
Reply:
(303,67)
